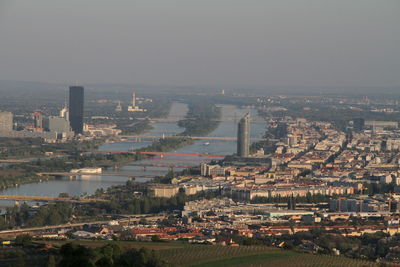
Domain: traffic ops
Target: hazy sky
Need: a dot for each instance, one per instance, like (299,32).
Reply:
(202,42)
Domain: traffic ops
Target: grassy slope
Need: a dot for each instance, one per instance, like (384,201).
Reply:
(245,260)
(252,256)
(184,254)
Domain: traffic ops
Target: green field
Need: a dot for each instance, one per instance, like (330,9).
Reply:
(211,256)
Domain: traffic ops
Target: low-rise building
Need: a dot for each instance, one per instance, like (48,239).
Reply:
(163,190)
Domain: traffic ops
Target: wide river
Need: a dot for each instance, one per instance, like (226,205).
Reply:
(88,185)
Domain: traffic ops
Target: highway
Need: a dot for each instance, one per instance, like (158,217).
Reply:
(15,160)
(136,218)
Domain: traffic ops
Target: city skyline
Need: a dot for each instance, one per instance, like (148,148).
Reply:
(199,133)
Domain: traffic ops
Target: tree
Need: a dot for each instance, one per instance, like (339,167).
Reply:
(143,221)
(74,255)
(110,255)
(20,261)
(54,219)
(155,238)
(146,206)
(63,195)
(137,208)
(51,262)
(23,239)
(141,258)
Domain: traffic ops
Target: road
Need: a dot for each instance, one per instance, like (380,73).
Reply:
(137,218)
(15,160)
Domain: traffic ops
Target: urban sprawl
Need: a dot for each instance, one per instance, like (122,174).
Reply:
(306,184)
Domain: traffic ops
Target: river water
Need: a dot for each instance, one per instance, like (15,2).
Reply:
(88,185)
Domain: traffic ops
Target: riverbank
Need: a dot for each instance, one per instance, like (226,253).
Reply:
(24,173)
(125,191)
(134,128)
(226,128)
(6,183)
(201,119)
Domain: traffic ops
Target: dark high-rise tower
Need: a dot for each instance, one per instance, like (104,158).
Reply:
(76,108)
(243,137)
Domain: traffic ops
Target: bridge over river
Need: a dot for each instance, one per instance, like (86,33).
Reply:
(176,119)
(159,165)
(116,174)
(220,138)
(156,153)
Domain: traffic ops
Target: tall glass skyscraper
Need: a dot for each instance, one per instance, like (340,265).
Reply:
(243,137)
(76,108)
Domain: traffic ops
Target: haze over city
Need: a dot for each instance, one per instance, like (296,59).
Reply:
(242,44)
(199,133)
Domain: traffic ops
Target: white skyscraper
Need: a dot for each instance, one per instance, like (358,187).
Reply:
(64,113)
(133,107)
(133,99)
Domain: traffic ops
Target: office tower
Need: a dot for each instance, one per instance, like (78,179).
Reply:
(57,124)
(76,108)
(38,120)
(358,124)
(133,99)
(243,137)
(6,121)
